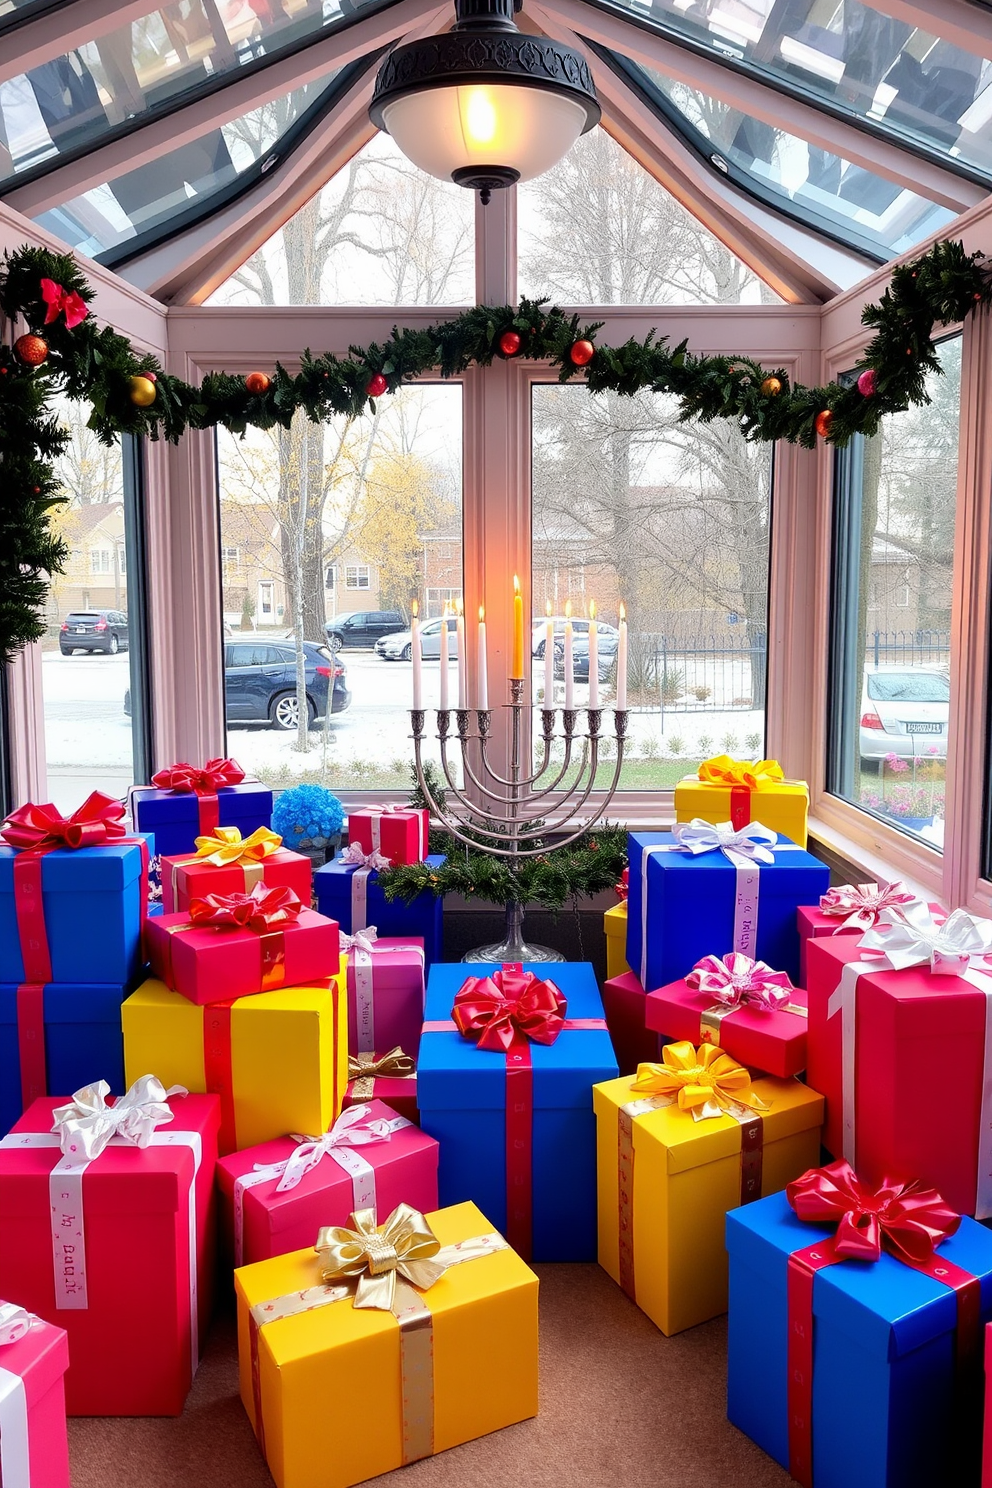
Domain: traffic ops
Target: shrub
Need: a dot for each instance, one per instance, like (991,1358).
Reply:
(702,693)
(753,742)
(676,745)
(729,743)
(705,745)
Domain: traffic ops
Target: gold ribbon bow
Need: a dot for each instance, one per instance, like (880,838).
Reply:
(395,1065)
(705,1081)
(723,769)
(377,1254)
(225,846)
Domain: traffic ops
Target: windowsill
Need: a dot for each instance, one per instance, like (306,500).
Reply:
(856,861)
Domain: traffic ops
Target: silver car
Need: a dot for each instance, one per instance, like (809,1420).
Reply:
(399,647)
(904,711)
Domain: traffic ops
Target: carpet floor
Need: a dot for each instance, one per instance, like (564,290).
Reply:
(620,1404)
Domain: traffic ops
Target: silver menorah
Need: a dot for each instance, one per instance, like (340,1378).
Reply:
(501,820)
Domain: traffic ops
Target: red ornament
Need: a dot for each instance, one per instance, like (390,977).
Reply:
(152,376)
(509,343)
(824,420)
(31,349)
(582,353)
(257,382)
(376,386)
(868,383)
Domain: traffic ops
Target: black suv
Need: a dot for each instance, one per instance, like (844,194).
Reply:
(363,628)
(260,683)
(93,630)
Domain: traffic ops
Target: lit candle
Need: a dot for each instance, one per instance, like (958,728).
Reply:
(569,679)
(443,702)
(460,648)
(549,660)
(418,658)
(593,657)
(517,669)
(483,682)
(621,702)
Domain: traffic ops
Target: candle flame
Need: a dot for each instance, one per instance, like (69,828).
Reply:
(547,609)
(592,609)
(415,607)
(568,609)
(516,584)
(623,613)
(482,613)
(458,606)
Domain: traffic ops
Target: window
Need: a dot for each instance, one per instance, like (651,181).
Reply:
(331,576)
(99,560)
(356,576)
(894,528)
(230,562)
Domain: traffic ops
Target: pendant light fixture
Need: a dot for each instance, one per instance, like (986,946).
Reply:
(485,105)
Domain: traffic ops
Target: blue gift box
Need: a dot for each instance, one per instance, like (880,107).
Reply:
(884,1385)
(174,816)
(92,902)
(461,1094)
(83,1042)
(691,902)
(424,916)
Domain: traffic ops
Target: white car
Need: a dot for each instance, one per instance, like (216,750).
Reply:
(580,627)
(904,711)
(399,647)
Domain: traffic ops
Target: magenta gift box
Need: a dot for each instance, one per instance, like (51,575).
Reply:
(813,923)
(386,995)
(32,1414)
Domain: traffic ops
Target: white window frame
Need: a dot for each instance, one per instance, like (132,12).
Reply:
(354,574)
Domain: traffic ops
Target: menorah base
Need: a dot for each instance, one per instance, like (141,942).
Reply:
(513,947)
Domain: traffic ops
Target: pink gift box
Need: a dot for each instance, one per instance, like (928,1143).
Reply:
(34,1451)
(210,963)
(386,995)
(401,836)
(812,923)
(771,1040)
(261,1222)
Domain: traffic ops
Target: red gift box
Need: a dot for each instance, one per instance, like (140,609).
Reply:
(34,1357)
(757,1034)
(902,1057)
(624,1004)
(132,1287)
(209,957)
(385,991)
(372,1158)
(398,832)
(854,908)
(189,878)
(389,1076)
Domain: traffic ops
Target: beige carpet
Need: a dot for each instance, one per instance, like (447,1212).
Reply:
(620,1405)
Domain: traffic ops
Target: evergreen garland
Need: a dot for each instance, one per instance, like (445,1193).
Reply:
(95,364)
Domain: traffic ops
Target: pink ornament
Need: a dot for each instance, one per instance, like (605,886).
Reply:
(868,383)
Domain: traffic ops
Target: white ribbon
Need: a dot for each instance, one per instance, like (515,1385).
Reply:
(366,863)
(15,1460)
(361,944)
(86,1123)
(909,936)
(15,1322)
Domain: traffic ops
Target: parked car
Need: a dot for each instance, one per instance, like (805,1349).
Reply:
(93,630)
(399,647)
(607,639)
(260,683)
(904,711)
(580,627)
(362,627)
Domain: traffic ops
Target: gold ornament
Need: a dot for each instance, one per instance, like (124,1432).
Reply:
(142,393)
(771,387)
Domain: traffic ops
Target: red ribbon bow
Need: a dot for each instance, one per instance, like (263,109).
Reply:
(622,888)
(261,910)
(58,300)
(36,828)
(511,1004)
(185,778)
(907,1218)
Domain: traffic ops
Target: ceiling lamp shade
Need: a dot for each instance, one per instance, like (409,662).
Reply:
(484,105)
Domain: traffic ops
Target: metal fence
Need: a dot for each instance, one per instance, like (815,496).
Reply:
(911,647)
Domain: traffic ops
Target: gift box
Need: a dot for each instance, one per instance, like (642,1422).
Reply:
(666,1179)
(234,866)
(615,930)
(34,1356)
(865,1361)
(184,803)
(462,1363)
(237,945)
(52,1037)
(624,1006)
(515,1123)
(398,832)
(385,992)
(387,1075)
(875,1034)
(132,1232)
(740,1005)
(278,1060)
(351,894)
(987,1428)
(744,791)
(710,885)
(276,1196)
(850,909)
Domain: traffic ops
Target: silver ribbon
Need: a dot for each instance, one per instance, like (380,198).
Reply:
(365,863)
(86,1123)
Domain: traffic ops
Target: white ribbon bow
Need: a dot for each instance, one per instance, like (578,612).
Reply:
(910,936)
(362,940)
(355,854)
(352,1129)
(752,841)
(14,1322)
(86,1124)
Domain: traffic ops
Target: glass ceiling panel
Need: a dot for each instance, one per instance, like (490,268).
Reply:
(147,68)
(113,220)
(819,189)
(890,75)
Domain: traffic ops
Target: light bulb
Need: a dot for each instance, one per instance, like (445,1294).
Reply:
(480,121)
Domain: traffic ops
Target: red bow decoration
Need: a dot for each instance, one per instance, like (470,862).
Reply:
(621,888)
(498,1010)
(58,299)
(206,782)
(907,1218)
(261,910)
(42,828)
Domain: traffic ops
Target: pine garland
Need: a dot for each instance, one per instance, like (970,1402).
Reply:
(95,365)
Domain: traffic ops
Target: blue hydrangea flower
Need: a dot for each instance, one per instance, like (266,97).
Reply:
(305,812)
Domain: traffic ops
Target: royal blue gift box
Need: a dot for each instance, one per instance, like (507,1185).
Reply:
(691,901)
(83,1042)
(174,816)
(92,902)
(461,1095)
(424,916)
(884,1381)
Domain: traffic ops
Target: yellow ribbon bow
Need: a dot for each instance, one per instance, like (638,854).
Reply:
(375,1255)
(395,1065)
(225,846)
(723,769)
(697,1079)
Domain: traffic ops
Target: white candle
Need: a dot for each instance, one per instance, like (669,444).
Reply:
(418,659)
(621,702)
(460,646)
(483,681)
(549,661)
(569,679)
(443,704)
(593,657)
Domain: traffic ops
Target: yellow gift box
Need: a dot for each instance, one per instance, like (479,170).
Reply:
(615,927)
(279,1060)
(743,791)
(347,1392)
(665,1182)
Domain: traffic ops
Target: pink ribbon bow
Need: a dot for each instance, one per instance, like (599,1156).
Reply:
(58,300)
(185,778)
(859,905)
(354,854)
(735,979)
